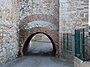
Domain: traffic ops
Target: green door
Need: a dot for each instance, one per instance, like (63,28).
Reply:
(79,43)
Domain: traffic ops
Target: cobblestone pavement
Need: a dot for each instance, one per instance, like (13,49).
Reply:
(39,61)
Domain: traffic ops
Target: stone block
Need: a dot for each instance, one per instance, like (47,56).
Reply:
(81,63)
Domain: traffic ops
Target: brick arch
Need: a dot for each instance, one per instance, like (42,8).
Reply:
(26,44)
(38,17)
(26,36)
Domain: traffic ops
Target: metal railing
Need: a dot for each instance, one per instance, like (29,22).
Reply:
(77,44)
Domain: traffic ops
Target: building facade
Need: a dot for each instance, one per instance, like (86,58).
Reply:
(20,20)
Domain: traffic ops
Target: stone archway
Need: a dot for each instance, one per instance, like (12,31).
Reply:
(40,45)
(26,44)
(26,36)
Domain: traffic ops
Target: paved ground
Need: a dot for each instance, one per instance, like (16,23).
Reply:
(39,58)
(39,61)
(37,47)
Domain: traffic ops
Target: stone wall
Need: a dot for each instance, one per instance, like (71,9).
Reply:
(43,10)
(73,14)
(60,15)
(32,7)
(41,14)
(12,12)
(80,63)
(8,31)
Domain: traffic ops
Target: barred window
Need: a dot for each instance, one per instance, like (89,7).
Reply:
(67,42)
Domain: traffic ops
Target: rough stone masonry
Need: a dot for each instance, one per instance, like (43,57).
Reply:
(57,16)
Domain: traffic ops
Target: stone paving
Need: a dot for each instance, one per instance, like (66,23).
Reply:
(39,61)
(39,58)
